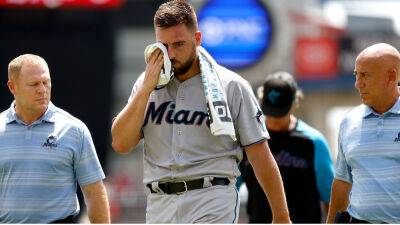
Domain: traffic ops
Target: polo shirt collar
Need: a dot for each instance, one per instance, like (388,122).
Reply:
(394,110)
(48,116)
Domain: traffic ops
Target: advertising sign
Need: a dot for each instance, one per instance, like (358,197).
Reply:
(236,33)
(316,58)
(60,3)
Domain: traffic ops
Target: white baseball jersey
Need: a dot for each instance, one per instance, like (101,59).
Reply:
(178,144)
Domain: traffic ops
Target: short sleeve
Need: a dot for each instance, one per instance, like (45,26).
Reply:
(342,169)
(136,86)
(248,119)
(87,166)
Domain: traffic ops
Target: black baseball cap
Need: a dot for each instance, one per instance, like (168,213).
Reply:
(279,93)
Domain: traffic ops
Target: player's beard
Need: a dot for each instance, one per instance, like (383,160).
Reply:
(178,71)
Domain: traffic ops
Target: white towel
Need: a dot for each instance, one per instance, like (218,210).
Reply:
(167,70)
(217,106)
(220,116)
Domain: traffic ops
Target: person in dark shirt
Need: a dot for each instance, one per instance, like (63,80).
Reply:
(300,151)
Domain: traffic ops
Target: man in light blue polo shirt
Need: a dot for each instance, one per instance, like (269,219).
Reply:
(44,153)
(367,179)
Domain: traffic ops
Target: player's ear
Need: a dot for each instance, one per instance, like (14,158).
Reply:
(392,73)
(197,35)
(296,104)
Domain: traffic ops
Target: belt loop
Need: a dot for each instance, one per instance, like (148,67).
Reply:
(207,182)
(186,188)
(155,187)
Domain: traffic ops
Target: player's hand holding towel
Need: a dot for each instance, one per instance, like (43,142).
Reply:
(167,70)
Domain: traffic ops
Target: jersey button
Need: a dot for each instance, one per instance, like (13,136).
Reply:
(179,132)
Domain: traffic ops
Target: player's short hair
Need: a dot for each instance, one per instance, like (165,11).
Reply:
(14,67)
(176,12)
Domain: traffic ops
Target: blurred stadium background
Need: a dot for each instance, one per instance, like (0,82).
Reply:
(95,53)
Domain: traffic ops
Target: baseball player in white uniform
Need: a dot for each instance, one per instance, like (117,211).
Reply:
(190,173)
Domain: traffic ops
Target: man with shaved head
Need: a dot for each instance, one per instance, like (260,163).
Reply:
(366,187)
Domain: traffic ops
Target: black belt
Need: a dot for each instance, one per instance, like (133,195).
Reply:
(68,219)
(355,220)
(183,186)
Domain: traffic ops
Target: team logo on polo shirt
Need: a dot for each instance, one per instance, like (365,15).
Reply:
(397,139)
(51,141)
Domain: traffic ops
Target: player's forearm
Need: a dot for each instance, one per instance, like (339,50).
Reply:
(126,128)
(273,187)
(339,199)
(268,175)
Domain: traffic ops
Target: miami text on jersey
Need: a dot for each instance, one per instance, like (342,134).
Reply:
(166,112)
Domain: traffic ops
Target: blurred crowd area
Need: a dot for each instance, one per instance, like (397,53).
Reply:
(95,53)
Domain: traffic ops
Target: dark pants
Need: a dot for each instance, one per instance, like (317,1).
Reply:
(345,217)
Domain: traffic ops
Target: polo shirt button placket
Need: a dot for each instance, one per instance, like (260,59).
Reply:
(28,133)
(380,127)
